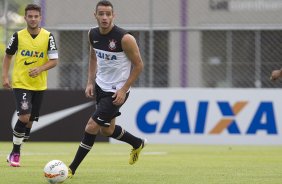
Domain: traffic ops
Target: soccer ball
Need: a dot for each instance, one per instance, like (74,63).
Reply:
(55,171)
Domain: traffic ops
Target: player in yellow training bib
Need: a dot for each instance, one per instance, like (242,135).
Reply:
(35,53)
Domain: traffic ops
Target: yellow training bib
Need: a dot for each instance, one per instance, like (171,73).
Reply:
(31,53)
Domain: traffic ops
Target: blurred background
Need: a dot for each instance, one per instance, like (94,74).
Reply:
(184,43)
(205,61)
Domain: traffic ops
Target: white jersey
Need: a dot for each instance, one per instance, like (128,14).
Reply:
(113,66)
(113,70)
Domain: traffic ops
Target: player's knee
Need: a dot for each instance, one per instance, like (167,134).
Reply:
(24,118)
(92,127)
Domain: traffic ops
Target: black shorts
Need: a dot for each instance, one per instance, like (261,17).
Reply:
(105,109)
(28,102)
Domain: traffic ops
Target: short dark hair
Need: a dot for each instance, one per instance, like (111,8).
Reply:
(33,7)
(104,3)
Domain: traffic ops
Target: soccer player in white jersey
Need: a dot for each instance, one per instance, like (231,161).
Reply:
(114,65)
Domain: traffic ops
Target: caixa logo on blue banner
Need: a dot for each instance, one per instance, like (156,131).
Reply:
(263,119)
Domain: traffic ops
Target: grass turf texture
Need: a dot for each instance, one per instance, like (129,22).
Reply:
(158,164)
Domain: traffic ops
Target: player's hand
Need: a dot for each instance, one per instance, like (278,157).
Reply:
(34,72)
(89,91)
(275,75)
(6,83)
(119,97)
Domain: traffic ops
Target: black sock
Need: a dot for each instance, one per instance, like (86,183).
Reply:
(18,133)
(16,148)
(122,135)
(27,133)
(84,147)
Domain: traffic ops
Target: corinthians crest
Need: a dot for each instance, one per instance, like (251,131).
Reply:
(24,105)
(112,44)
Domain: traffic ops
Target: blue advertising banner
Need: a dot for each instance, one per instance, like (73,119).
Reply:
(204,116)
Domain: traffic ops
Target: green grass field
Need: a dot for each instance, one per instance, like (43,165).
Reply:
(158,164)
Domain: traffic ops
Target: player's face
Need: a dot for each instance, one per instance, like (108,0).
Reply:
(32,19)
(104,16)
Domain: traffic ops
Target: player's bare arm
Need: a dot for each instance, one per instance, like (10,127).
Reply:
(131,50)
(276,74)
(5,71)
(89,91)
(34,72)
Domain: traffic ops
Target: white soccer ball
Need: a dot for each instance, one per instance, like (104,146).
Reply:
(55,171)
